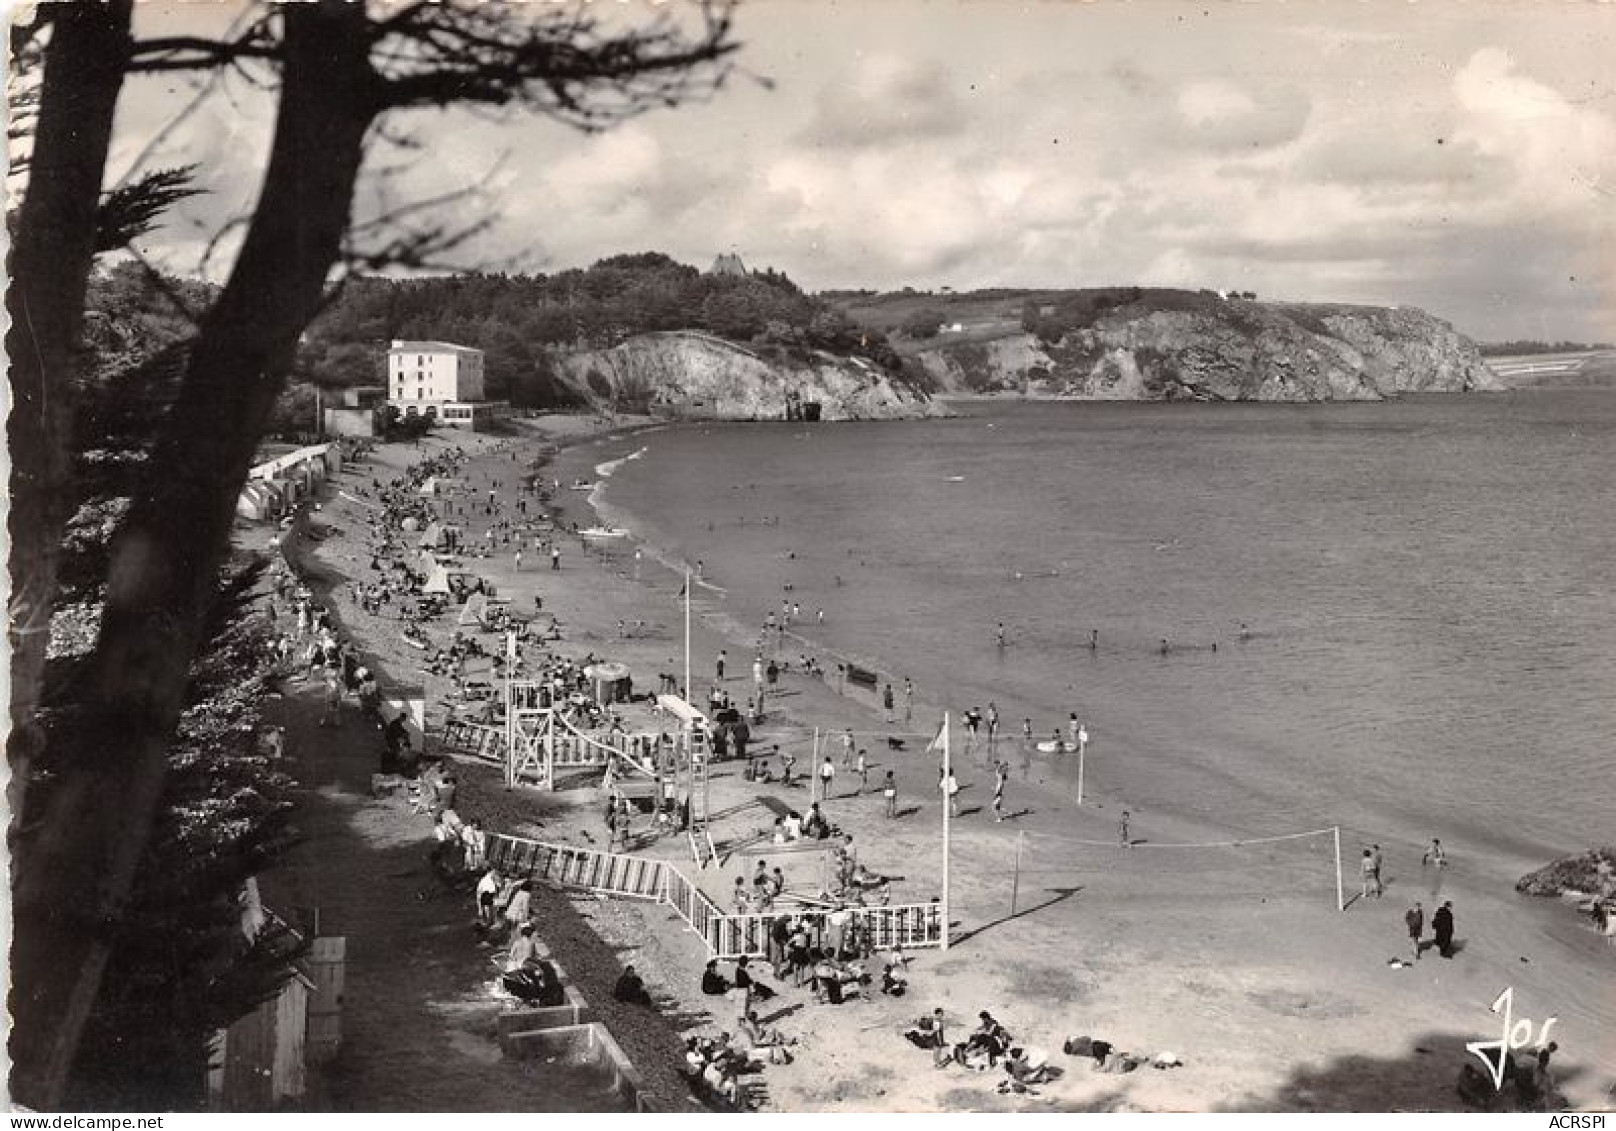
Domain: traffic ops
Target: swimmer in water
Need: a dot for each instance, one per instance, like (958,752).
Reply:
(1094,639)
(998,634)
(1164,646)
(1245,633)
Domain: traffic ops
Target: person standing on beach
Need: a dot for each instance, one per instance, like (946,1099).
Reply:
(555,557)
(863,771)
(889,791)
(718,665)
(787,761)
(1377,859)
(887,702)
(1367,873)
(951,788)
(518,559)
(1442,929)
(908,701)
(993,723)
(847,747)
(1414,920)
(1001,772)
(1122,831)
(757,671)
(1072,727)
(827,775)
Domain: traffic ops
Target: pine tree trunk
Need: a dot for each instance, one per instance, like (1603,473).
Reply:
(76,872)
(84,64)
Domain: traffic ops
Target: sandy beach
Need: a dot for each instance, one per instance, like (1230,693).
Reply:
(1273,999)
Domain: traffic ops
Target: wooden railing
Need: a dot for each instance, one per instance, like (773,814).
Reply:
(908,925)
(610,873)
(475,740)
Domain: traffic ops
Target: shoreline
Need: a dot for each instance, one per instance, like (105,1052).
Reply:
(1100,952)
(1484,860)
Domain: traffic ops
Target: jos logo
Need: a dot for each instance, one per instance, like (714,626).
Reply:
(1515,1035)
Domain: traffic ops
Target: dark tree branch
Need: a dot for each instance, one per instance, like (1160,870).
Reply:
(195,53)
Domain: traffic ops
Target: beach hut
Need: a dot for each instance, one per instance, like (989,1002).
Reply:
(257,502)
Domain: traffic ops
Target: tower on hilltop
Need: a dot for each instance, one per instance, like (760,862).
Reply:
(728,263)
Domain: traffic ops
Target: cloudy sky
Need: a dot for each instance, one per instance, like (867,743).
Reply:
(1460,158)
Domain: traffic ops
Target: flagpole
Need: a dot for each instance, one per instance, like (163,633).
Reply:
(687,635)
(948,804)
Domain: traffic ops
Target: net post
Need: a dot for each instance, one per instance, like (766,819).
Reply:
(1340,893)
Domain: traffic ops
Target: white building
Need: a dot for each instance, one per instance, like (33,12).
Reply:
(422,374)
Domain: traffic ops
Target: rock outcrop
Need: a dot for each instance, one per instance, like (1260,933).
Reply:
(694,375)
(1588,875)
(1229,351)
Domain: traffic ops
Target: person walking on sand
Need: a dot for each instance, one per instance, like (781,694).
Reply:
(847,747)
(332,715)
(1377,858)
(1001,772)
(1442,929)
(827,776)
(1122,831)
(863,771)
(889,791)
(519,560)
(718,665)
(555,557)
(1414,920)
(887,702)
(951,789)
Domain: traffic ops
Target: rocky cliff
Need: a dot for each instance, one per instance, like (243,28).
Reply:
(694,375)
(1224,351)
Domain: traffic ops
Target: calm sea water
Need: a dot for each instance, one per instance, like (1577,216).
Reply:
(1429,586)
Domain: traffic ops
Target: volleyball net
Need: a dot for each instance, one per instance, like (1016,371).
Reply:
(1286,864)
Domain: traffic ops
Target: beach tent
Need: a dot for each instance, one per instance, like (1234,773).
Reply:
(431,536)
(437,580)
(430,487)
(474,610)
(612,681)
